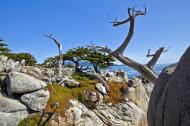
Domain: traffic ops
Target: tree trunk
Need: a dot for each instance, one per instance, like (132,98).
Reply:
(98,77)
(144,70)
(59,45)
(155,58)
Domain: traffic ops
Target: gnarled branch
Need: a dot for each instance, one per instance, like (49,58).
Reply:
(155,57)
(132,14)
(59,45)
(145,71)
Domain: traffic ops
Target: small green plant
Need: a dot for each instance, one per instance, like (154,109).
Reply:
(71,85)
(64,94)
(30,121)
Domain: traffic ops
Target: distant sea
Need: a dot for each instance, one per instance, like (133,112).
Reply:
(132,73)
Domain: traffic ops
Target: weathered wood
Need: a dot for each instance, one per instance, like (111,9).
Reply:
(59,45)
(145,71)
(155,57)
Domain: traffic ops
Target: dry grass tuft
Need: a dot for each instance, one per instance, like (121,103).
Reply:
(114,95)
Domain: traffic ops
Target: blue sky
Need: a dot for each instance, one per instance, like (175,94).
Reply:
(78,22)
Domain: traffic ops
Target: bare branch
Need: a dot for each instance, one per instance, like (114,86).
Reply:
(55,40)
(155,58)
(149,55)
(60,66)
(132,14)
(117,23)
(145,71)
(166,49)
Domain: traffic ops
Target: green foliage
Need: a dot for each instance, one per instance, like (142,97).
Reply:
(51,60)
(99,60)
(29,58)
(30,121)
(62,94)
(71,85)
(3,47)
(76,55)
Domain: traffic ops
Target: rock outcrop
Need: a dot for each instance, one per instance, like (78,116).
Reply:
(82,116)
(7,65)
(122,114)
(36,101)
(14,108)
(32,71)
(22,83)
(169,104)
(137,94)
(101,88)
(11,111)
(158,92)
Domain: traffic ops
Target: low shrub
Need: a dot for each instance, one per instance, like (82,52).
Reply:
(62,94)
(114,95)
(30,121)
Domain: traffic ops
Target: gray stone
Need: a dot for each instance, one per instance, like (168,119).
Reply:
(131,89)
(7,65)
(123,114)
(82,116)
(138,96)
(3,59)
(100,87)
(69,82)
(10,66)
(11,111)
(158,91)
(9,105)
(149,87)
(134,82)
(22,83)
(32,71)
(173,104)
(36,101)
(2,67)
(12,119)
(91,96)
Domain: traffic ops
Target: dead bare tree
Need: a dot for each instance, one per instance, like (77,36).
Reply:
(59,45)
(155,56)
(144,70)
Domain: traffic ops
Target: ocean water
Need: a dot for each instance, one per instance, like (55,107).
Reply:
(132,73)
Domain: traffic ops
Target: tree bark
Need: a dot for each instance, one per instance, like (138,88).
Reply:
(155,57)
(145,71)
(59,45)
(98,77)
(142,69)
